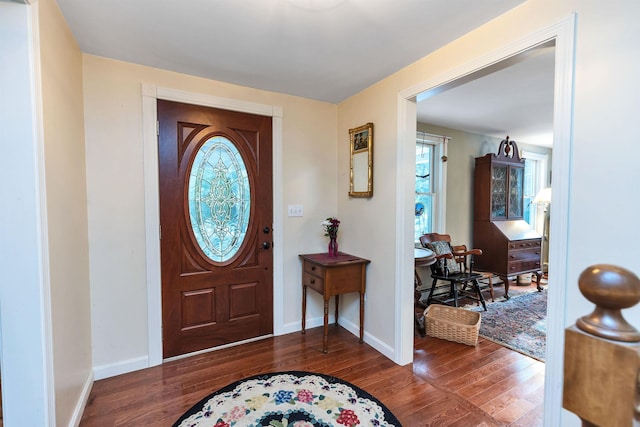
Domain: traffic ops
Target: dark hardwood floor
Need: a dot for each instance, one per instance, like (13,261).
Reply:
(448,384)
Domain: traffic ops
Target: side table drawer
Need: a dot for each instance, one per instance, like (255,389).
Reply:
(314,282)
(313,269)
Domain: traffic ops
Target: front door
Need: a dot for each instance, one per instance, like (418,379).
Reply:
(216,204)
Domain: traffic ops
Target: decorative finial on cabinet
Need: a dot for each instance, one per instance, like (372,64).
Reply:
(508,150)
(507,146)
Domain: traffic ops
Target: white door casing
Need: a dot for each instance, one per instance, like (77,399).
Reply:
(150,94)
(563,34)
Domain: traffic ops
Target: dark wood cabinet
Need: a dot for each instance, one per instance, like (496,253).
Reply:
(510,246)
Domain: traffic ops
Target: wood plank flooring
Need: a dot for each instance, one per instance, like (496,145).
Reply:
(448,384)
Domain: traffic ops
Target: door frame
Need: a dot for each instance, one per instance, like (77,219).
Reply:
(150,94)
(563,33)
(26,331)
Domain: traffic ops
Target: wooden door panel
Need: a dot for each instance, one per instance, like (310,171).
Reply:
(243,300)
(189,264)
(198,308)
(209,301)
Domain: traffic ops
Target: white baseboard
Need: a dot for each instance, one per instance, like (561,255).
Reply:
(315,322)
(82,402)
(126,366)
(113,369)
(374,342)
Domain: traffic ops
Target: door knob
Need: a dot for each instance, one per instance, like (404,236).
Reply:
(265,245)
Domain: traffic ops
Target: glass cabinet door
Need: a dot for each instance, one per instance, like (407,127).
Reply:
(516,187)
(499,192)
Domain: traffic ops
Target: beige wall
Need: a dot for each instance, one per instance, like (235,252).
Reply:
(64,158)
(114,147)
(369,224)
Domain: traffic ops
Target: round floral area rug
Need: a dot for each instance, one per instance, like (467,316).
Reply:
(288,399)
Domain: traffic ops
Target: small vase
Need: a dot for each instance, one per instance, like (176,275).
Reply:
(333,247)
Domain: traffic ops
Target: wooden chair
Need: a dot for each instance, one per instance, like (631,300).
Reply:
(454,267)
(463,261)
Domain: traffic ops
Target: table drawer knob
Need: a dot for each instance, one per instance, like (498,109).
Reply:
(312,281)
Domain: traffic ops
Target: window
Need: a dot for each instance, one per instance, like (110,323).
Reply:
(430,172)
(535,179)
(219,199)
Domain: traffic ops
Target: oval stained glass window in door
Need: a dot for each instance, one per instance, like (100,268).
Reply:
(219,199)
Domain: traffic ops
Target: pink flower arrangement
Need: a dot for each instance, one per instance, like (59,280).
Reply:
(331,225)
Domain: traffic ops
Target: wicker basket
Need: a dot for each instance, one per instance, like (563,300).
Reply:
(452,324)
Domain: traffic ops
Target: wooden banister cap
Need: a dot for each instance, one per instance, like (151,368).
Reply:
(610,288)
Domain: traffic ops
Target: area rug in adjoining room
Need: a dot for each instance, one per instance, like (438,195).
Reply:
(293,399)
(518,323)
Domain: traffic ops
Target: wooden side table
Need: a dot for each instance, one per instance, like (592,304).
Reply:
(333,276)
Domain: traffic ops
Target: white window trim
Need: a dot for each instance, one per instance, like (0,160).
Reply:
(439,224)
(440,169)
(542,168)
(542,176)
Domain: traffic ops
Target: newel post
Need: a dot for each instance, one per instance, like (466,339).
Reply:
(602,351)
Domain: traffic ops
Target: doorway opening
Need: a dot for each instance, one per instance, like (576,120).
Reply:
(514,100)
(562,33)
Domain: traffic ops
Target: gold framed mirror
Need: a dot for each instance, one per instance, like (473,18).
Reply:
(361,161)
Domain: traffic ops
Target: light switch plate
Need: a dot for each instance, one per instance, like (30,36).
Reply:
(295,210)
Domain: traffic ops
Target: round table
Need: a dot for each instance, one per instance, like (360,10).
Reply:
(423,258)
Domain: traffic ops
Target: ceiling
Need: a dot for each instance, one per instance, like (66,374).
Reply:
(513,98)
(327,50)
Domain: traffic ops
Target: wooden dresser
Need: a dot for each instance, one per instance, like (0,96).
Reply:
(509,244)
